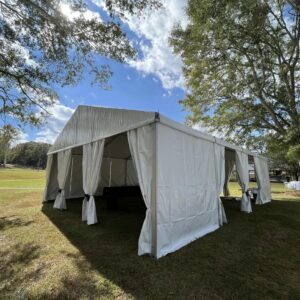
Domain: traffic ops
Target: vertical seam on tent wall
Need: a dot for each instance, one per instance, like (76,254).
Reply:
(154,195)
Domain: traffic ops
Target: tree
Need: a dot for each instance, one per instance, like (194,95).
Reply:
(242,70)
(47,43)
(280,158)
(30,154)
(7,135)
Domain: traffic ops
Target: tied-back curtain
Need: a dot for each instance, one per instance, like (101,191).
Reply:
(141,148)
(220,179)
(91,175)
(229,164)
(48,173)
(242,169)
(63,168)
(263,180)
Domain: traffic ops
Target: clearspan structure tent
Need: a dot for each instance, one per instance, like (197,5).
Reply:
(181,172)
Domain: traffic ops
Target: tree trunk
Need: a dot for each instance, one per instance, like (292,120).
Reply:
(4,158)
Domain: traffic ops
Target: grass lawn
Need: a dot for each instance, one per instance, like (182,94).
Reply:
(50,254)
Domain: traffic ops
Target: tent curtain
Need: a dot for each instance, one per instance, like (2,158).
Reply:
(141,148)
(63,168)
(263,180)
(242,169)
(92,157)
(48,173)
(229,164)
(220,179)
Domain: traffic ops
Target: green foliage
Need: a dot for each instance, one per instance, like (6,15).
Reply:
(294,153)
(281,157)
(120,7)
(29,154)
(242,68)
(7,135)
(50,42)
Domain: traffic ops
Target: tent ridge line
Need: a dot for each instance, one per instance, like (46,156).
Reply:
(114,108)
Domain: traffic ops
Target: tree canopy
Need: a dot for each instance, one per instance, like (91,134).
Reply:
(50,42)
(242,68)
(7,135)
(30,154)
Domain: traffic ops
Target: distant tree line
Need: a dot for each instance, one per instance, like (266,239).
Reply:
(30,154)
(278,162)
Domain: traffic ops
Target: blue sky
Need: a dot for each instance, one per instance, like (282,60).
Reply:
(153,82)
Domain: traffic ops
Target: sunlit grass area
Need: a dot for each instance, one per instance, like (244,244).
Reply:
(15,178)
(50,254)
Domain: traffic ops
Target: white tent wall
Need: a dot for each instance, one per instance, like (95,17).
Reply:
(118,172)
(63,167)
(75,183)
(52,184)
(113,172)
(68,183)
(131,176)
(229,165)
(263,180)
(187,196)
(91,175)
(142,144)
(117,166)
(220,179)
(242,170)
(48,174)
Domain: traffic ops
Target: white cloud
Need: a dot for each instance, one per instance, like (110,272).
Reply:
(209,130)
(21,52)
(153,30)
(71,15)
(167,94)
(22,138)
(60,114)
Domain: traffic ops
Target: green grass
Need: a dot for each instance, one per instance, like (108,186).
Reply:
(21,179)
(50,254)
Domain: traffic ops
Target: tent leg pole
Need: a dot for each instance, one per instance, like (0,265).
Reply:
(153,195)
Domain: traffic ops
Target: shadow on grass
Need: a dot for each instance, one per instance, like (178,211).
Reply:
(12,221)
(84,285)
(244,259)
(14,261)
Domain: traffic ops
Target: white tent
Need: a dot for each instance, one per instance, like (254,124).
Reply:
(181,172)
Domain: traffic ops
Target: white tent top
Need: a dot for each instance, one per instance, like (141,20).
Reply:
(91,123)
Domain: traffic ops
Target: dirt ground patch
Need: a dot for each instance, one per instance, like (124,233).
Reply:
(292,193)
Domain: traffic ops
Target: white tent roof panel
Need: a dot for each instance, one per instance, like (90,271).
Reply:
(91,123)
